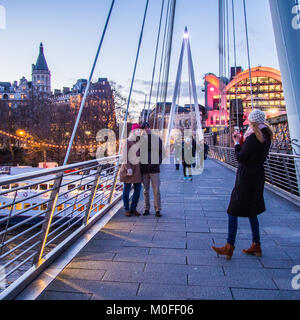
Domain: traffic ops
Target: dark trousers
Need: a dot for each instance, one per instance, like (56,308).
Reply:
(136,196)
(233,225)
(177,166)
(185,166)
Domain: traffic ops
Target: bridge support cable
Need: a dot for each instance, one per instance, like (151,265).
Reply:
(248,53)
(158,93)
(235,61)
(88,86)
(155,57)
(222,99)
(133,75)
(168,60)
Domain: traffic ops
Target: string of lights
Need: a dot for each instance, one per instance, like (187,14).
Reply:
(44,144)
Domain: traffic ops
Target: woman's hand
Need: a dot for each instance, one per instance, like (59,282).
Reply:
(237,137)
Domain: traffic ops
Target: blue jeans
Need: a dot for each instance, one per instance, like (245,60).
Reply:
(233,225)
(136,196)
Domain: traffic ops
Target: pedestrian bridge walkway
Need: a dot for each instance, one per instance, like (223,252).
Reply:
(149,258)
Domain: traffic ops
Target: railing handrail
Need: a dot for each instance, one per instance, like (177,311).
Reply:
(281,170)
(65,211)
(270,153)
(47,172)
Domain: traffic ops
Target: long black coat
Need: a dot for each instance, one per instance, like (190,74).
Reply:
(247,196)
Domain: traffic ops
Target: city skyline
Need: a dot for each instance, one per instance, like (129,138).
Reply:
(70,43)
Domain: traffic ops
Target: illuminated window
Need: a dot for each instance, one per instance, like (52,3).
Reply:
(43,187)
(81,207)
(19,206)
(44,207)
(35,187)
(71,186)
(26,205)
(35,208)
(60,207)
(6,187)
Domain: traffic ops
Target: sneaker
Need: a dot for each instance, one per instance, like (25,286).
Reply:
(146,213)
(157,214)
(185,178)
(135,213)
(190,179)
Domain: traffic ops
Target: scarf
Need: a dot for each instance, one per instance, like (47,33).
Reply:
(251,131)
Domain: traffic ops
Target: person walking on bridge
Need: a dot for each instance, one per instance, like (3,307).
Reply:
(152,155)
(247,196)
(130,172)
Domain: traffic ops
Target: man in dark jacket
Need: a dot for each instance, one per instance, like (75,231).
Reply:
(152,154)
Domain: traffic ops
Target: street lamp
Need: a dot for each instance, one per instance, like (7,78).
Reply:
(21,133)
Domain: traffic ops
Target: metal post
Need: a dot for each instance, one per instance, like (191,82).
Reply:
(89,206)
(287,174)
(286,24)
(270,171)
(48,218)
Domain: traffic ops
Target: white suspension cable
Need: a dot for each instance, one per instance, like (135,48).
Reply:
(235,62)
(161,65)
(133,76)
(248,53)
(88,86)
(155,58)
(168,59)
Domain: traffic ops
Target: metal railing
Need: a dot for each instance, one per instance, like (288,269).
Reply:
(47,209)
(282,171)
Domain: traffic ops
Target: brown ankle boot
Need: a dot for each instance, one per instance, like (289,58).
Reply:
(255,249)
(227,250)
(127,213)
(135,213)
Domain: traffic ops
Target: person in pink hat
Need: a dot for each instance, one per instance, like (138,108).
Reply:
(130,172)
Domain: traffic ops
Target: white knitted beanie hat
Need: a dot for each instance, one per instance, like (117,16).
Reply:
(257,116)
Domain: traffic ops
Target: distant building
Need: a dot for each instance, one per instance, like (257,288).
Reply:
(7,91)
(101,89)
(184,117)
(267,94)
(16,94)
(23,91)
(41,75)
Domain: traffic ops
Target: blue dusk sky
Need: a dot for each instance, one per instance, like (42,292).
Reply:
(70,31)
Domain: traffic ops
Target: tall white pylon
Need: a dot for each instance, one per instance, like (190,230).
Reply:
(199,132)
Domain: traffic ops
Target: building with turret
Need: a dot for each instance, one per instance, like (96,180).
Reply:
(41,75)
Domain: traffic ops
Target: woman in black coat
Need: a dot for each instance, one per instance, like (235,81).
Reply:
(247,196)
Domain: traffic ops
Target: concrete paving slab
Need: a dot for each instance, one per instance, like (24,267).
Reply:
(147,258)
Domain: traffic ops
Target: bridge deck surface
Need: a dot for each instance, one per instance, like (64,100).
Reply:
(146,258)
